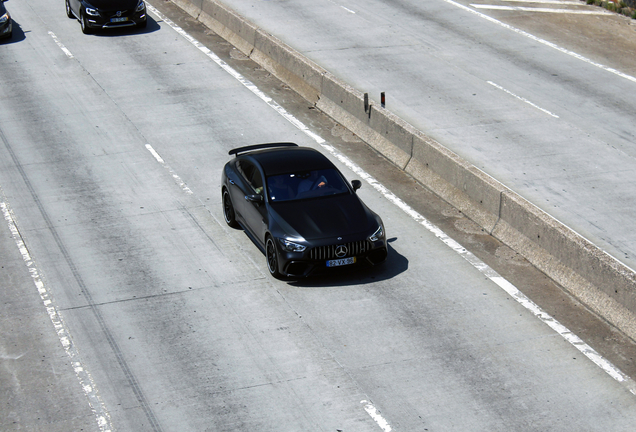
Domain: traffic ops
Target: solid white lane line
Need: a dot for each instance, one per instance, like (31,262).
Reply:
(491,274)
(535,9)
(247,83)
(63,333)
(486,270)
(61,45)
(542,41)
(522,99)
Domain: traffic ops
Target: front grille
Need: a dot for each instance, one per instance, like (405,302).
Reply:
(114,14)
(329,252)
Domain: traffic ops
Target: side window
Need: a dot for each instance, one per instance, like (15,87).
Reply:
(252,175)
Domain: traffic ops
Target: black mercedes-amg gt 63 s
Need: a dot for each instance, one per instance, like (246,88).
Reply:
(103,14)
(299,209)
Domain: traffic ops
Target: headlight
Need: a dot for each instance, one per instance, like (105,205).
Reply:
(290,246)
(141,6)
(92,12)
(4,18)
(378,234)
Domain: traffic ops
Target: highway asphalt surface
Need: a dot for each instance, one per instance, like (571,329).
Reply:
(129,305)
(537,94)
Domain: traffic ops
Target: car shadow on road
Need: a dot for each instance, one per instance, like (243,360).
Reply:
(17,35)
(393,266)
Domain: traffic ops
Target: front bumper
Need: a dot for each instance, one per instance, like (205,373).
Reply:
(313,261)
(107,19)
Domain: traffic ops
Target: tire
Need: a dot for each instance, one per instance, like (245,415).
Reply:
(69,12)
(271,254)
(85,28)
(228,210)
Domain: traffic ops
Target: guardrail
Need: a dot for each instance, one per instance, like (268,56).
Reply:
(598,280)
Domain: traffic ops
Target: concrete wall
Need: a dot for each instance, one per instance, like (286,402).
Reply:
(601,282)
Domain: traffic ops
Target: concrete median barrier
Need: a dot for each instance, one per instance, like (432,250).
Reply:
(600,281)
(191,7)
(461,184)
(302,75)
(381,129)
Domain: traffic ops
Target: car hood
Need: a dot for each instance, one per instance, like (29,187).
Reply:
(335,216)
(113,4)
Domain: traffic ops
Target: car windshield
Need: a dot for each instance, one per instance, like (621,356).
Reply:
(305,184)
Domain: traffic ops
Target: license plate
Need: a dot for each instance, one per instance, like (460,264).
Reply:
(341,262)
(121,19)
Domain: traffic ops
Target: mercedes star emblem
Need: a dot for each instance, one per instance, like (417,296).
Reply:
(341,251)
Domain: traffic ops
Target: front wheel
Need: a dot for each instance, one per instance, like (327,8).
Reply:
(271,252)
(228,210)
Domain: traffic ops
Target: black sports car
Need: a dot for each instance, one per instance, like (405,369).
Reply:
(299,209)
(102,14)
(6,25)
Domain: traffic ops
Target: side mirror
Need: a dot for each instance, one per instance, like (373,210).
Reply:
(357,184)
(256,199)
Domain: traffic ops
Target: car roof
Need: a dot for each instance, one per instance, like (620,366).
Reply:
(289,159)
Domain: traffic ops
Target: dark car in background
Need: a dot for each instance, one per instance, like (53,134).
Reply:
(300,210)
(6,25)
(104,14)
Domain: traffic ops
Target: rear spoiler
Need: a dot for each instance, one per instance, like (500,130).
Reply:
(238,150)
